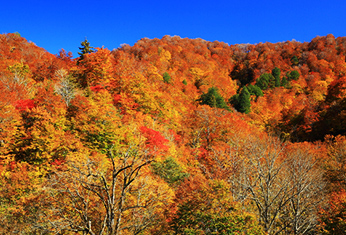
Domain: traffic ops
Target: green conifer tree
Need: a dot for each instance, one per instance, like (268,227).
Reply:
(244,101)
(276,73)
(284,82)
(263,81)
(213,99)
(294,75)
(167,78)
(85,49)
(295,60)
(255,90)
(234,100)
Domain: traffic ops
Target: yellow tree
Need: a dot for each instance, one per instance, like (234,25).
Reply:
(112,193)
(44,137)
(20,186)
(94,120)
(206,207)
(96,68)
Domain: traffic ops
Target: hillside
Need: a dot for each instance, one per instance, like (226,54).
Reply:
(173,136)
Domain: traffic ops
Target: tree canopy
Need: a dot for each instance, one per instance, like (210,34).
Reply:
(173,136)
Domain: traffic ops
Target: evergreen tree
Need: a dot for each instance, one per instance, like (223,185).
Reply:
(276,73)
(213,99)
(295,60)
(85,49)
(277,82)
(294,75)
(166,78)
(234,100)
(267,80)
(263,81)
(254,90)
(244,101)
(284,82)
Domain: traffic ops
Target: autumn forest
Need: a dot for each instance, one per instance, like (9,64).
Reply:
(173,136)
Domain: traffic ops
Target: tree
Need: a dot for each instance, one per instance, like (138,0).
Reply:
(105,194)
(20,189)
(244,101)
(255,90)
(213,99)
(205,207)
(66,86)
(18,34)
(95,120)
(284,82)
(170,171)
(335,165)
(276,73)
(284,183)
(167,78)
(336,90)
(333,217)
(44,136)
(265,81)
(96,69)
(294,75)
(85,49)
(307,189)
(295,60)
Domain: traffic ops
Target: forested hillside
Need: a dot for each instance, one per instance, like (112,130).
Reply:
(173,136)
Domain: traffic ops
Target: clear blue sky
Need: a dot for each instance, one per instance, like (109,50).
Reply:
(56,24)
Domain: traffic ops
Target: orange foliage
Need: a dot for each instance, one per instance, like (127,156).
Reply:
(54,107)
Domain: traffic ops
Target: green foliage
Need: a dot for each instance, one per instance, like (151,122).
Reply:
(85,49)
(18,34)
(234,100)
(167,78)
(265,81)
(213,99)
(254,90)
(294,75)
(294,60)
(169,170)
(284,82)
(277,82)
(185,82)
(244,101)
(276,73)
(241,102)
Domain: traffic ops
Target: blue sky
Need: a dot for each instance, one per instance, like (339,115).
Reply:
(54,24)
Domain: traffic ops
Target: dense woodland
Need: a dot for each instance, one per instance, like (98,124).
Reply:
(173,136)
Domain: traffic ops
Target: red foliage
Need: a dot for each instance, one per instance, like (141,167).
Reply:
(117,98)
(154,139)
(57,162)
(97,88)
(337,89)
(23,105)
